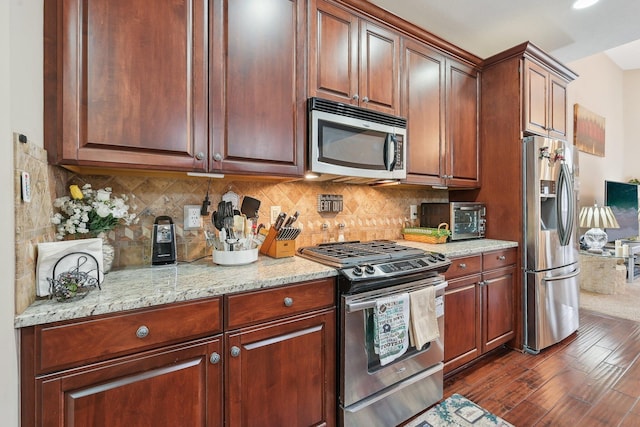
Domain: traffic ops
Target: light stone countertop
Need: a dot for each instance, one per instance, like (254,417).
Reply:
(140,287)
(463,247)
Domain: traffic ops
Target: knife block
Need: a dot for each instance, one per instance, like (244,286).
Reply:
(277,248)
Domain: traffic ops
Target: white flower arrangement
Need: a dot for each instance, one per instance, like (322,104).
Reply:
(89,211)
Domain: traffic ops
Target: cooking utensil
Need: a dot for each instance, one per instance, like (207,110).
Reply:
(250,207)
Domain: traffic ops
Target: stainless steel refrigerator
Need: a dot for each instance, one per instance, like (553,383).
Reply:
(551,287)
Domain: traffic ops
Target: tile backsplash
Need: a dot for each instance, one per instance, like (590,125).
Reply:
(368,212)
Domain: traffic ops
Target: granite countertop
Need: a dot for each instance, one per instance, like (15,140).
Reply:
(140,287)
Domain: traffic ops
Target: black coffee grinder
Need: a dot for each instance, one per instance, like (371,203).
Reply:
(164,241)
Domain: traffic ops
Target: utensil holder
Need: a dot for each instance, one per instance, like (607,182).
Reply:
(277,248)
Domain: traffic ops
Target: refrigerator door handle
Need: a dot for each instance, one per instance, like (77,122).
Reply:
(565,192)
(566,276)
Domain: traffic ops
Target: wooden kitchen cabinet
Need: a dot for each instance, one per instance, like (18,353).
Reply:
(257,80)
(504,101)
(125,85)
(352,59)
(440,98)
(282,370)
(479,306)
(545,101)
(184,86)
(270,358)
(145,367)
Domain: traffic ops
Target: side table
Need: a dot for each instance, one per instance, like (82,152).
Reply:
(603,274)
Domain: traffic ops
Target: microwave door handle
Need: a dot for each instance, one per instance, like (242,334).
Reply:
(390,148)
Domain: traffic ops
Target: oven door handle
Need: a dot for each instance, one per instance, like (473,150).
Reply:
(395,388)
(352,307)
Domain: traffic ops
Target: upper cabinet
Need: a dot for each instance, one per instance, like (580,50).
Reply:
(440,98)
(125,84)
(257,104)
(353,60)
(545,101)
(185,85)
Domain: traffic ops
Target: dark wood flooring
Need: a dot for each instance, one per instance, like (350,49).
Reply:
(592,378)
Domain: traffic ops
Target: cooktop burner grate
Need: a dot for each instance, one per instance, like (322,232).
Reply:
(342,254)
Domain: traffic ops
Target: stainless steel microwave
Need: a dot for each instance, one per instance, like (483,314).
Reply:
(349,141)
(466,220)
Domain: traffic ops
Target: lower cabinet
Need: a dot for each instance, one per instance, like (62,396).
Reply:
(270,361)
(479,306)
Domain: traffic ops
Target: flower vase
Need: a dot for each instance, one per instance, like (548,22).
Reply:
(108,252)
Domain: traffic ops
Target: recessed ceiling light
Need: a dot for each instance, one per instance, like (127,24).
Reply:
(581,4)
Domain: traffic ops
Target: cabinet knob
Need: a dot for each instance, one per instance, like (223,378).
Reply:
(502,257)
(215,358)
(200,155)
(288,301)
(355,97)
(462,265)
(142,331)
(217,157)
(235,351)
(365,99)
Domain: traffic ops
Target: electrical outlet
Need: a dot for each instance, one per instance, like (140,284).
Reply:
(192,217)
(413,212)
(275,211)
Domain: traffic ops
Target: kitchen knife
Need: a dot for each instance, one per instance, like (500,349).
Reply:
(280,221)
(292,219)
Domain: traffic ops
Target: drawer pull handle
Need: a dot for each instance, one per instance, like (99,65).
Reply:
(215,358)
(288,301)
(142,331)
(462,265)
(502,257)
(235,351)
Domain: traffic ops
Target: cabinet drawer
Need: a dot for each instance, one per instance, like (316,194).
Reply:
(66,345)
(497,259)
(464,266)
(268,304)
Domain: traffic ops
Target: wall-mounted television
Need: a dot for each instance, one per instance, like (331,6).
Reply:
(622,198)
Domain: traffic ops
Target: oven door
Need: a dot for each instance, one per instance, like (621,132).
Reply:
(363,375)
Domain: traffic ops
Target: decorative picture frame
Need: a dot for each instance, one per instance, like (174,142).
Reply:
(588,131)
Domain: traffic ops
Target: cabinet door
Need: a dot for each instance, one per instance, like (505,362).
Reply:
(462,167)
(536,99)
(333,53)
(423,104)
(125,83)
(497,307)
(557,107)
(177,386)
(257,99)
(282,372)
(379,68)
(461,322)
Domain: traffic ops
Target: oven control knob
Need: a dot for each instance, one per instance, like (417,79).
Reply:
(441,257)
(431,258)
(369,269)
(357,271)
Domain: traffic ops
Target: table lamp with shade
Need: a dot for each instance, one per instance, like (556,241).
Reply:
(596,218)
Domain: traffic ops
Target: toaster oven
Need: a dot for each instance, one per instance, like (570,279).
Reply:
(466,220)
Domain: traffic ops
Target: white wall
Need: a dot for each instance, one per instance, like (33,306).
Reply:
(632,124)
(599,88)
(8,346)
(21,100)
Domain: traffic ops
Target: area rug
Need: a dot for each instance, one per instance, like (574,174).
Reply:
(624,304)
(458,411)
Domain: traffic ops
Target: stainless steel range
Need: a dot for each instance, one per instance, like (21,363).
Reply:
(373,391)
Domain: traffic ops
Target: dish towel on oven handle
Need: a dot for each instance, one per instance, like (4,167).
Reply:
(424,319)
(391,327)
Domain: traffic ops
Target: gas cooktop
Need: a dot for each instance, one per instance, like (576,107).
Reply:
(375,259)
